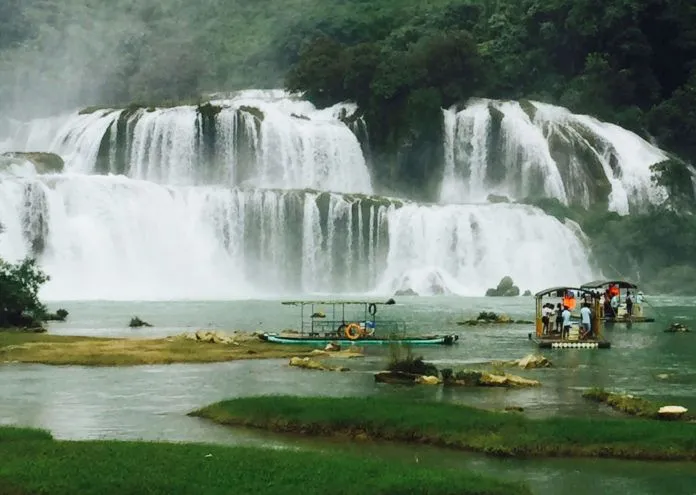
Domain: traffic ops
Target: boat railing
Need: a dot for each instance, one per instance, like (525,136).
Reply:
(317,327)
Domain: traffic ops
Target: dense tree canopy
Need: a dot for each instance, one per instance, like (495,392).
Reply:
(19,288)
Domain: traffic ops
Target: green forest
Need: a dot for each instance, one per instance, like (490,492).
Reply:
(630,62)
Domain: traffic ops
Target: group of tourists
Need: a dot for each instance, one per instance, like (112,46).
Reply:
(611,301)
(561,316)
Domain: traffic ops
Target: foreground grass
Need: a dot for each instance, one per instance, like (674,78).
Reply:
(628,404)
(454,426)
(91,351)
(33,463)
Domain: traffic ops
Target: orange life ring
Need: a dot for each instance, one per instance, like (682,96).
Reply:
(353,331)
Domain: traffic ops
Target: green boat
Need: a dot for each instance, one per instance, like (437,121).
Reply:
(425,340)
(350,322)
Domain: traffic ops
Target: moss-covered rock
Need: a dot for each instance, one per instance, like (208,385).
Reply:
(506,288)
(45,163)
(256,112)
(628,404)
(495,198)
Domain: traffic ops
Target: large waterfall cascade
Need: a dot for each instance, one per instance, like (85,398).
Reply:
(261,194)
(531,149)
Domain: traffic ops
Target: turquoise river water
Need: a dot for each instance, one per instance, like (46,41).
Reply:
(151,402)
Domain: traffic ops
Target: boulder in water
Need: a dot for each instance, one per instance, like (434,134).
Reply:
(405,292)
(671,412)
(676,328)
(137,323)
(533,361)
(506,288)
(311,364)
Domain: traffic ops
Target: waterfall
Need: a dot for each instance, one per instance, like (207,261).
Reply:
(259,193)
(530,149)
(111,237)
(467,248)
(255,139)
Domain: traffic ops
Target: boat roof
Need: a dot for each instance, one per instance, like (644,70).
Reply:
(623,284)
(304,303)
(551,290)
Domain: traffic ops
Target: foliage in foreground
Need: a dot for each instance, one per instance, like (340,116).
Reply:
(33,463)
(19,294)
(451,425)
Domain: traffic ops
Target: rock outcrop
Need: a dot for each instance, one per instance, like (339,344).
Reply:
(44,163)
(506,288)
(489,317)
(136,322)
(311,364)
(677,328)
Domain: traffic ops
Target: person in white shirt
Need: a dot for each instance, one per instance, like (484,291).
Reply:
(566,322)
(586,321)
(546,313)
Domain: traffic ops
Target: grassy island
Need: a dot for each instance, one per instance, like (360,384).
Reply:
(459,427)
(43,348)
(35,463)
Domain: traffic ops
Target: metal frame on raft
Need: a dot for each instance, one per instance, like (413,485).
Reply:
(573,341)
(625,285)
(359,330)
(338,325)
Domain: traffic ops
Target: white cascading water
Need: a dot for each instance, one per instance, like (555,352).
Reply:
(235,220)
(464,248)
(294,145)
(534,149)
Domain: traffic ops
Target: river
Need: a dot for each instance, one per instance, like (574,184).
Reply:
(151,402)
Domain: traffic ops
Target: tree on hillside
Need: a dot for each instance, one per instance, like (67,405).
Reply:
(19,289)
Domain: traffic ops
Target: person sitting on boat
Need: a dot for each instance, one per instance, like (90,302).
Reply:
(629,304)
(585,321)
(546,314)
(559,318)
(566,322)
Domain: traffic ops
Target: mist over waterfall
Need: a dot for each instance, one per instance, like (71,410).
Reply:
(531,149)
(260,194)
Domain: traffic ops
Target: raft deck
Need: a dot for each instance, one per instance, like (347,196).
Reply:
(552,342)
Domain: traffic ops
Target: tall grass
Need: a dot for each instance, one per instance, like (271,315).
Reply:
(450,425)
(33,463)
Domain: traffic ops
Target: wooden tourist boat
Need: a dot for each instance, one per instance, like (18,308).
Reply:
(573,297)
(620,288)
(360,326)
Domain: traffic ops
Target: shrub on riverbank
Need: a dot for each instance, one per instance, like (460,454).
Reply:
(34,463)
(459,427)
(19,289)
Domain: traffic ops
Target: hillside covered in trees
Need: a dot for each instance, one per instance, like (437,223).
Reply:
(626,61)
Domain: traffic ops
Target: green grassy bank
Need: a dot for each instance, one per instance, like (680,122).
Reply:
(454,426)
(34,463)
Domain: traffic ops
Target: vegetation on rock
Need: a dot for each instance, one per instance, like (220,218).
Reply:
(628,404)
(506,288)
